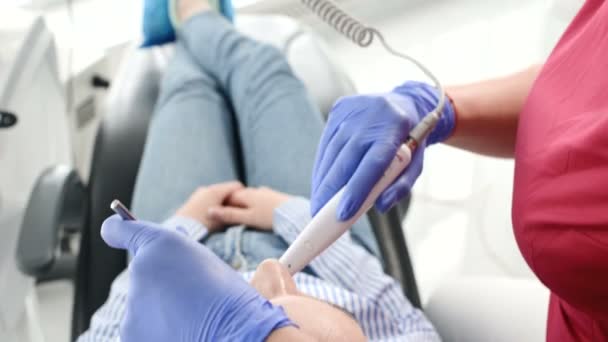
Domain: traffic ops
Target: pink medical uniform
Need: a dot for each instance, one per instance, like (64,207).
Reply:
(560,200)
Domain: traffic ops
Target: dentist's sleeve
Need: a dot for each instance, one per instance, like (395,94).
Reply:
(105,323)
(185,225)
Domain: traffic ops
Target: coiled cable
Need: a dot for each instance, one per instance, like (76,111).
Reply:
(363,36)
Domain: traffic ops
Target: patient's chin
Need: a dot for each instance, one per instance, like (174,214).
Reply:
(320,320)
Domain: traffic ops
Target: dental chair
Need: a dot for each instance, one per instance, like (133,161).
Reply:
(62,209)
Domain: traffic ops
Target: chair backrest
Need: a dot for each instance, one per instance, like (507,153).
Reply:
(118,149)
(122,134)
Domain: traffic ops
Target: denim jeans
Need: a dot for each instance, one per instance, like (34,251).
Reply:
(229,108)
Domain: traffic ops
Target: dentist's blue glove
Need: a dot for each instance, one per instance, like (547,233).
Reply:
(361,139)
(180,291)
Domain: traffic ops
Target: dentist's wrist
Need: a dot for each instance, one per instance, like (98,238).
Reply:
(289,334)
(259,321)
(426,98)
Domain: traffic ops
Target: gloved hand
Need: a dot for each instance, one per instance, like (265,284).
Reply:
(180,291)
(361,139)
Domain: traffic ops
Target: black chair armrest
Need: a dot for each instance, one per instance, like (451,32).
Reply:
(55,211)
(393,247)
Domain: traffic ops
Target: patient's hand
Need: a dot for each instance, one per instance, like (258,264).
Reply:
(203,198)
(253,207)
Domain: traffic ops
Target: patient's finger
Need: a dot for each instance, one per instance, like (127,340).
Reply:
(230,215)
(240,198)
(225,189)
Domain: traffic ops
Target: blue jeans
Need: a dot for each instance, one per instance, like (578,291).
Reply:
(230,108)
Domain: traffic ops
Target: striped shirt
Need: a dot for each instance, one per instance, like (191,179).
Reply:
(348,276)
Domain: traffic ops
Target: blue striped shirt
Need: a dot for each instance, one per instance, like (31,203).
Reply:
(348,276)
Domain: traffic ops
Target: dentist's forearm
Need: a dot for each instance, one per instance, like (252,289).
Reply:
(487,113)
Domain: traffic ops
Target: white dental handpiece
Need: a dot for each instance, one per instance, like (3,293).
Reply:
(325,228)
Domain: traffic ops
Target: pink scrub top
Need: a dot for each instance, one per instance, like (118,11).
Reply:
(560,200)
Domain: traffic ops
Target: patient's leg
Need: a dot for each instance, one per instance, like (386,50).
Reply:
(191,140)
(278,124)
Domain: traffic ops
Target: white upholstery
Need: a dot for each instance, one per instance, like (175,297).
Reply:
(484,309)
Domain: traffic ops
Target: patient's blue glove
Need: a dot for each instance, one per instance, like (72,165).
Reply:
(180,291)
(361,139)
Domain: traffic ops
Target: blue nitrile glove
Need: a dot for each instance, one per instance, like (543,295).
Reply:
(180,291)
(361,139)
